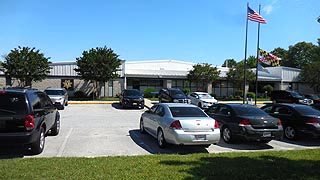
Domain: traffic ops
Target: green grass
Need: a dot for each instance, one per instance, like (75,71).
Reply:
(302,164)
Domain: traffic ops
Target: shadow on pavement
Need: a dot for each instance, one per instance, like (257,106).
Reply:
(304,141)
(245,145)
(149,143)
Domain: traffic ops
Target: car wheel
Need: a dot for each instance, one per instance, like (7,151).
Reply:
(56,127)
(38,146)
(160,139)
(227,135)
(200,106)
(290,133)
(265,141)
(142,130)
(66,103)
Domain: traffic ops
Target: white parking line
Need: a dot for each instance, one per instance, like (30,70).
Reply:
(64,143)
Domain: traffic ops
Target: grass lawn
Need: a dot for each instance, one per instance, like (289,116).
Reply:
(302,164)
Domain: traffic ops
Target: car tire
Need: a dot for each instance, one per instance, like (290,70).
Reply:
(199,105)
(66,103)
(142,130)
(38,146)
(227,135)
(56,127)
(265,141)
(160,139)
(290,133)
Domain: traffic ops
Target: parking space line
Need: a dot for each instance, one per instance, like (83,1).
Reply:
(64,143)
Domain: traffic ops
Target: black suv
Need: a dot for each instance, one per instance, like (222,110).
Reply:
(287,96)
(131,98)
(173,95)
(26,117)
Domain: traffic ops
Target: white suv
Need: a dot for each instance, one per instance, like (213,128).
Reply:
(58,96)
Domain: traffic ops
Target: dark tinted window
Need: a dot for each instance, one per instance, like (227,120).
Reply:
(187,112)
(176,93)
(54,92)
(248,110)
(132,93)
(307,110)
(12,103)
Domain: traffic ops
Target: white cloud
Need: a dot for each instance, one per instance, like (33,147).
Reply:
(267,9)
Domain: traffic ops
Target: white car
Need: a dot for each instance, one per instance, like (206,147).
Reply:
(202,99)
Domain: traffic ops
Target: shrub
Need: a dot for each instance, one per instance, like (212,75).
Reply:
(251,95)
(267,88)
(186,91)
(149,92)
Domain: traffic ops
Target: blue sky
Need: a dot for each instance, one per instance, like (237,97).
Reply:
(202,31)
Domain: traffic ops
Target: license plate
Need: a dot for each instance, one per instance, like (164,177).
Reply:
(200,137)
(266,134)
(134,103)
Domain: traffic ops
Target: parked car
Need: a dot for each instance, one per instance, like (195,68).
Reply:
(131,98)
(26,117)
(313,97)
(179,124)
(58,96)
(287,96)
(246,122)
(297,119)
(202,99)
(173,95)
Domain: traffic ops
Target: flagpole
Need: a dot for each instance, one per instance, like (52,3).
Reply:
(257,61)
(245,59)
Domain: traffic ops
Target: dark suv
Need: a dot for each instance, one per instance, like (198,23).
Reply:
(131,98)
(26,117)
(287,96)
(170,95)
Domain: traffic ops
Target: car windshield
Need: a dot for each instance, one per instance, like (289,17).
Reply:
(307,110)
(54,92)
(314,97)
(12,104)
(249,110)
(132,93)
(205,96)
(297,95)
(176,93)
(187,112)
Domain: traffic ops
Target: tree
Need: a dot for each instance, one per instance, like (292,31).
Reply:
(230,63)
(98,65)
(281,53)
(300,54)
(236,74)
(310,73)
(251,62)
(203,74)
(26,65)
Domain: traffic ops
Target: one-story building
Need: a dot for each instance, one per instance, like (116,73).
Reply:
(158,74)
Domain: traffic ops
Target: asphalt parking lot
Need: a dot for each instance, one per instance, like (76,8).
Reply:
(92,130)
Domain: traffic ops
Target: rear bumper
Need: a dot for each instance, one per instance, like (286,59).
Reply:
(251,134)
(180,137)
(133,103)
(20,138)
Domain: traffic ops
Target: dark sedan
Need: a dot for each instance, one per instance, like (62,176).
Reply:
(131,98)
(297,119)
(243,121)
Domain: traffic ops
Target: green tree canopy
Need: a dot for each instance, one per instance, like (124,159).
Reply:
(26,65)
(281,53)
(236,74)
(203,74)
(300,54)
(98,65)
(230,63)
(310,73)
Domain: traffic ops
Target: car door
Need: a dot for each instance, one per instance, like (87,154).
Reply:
(49,109)
(148,119)
(193,98)
(284,113)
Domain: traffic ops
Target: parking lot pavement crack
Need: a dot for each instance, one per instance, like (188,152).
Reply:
(64,143)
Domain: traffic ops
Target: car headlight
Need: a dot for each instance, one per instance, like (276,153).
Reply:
(176,100)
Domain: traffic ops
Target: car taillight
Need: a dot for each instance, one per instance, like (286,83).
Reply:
(216,125)
(244,122)
(279,123)
(29,122)
(2,92)
(176,125)
(312,120)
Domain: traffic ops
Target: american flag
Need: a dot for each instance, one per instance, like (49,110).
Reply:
(256,17)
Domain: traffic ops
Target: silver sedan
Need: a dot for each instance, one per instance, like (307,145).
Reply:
(179,124)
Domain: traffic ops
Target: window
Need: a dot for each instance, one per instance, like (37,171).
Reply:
(187,112)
